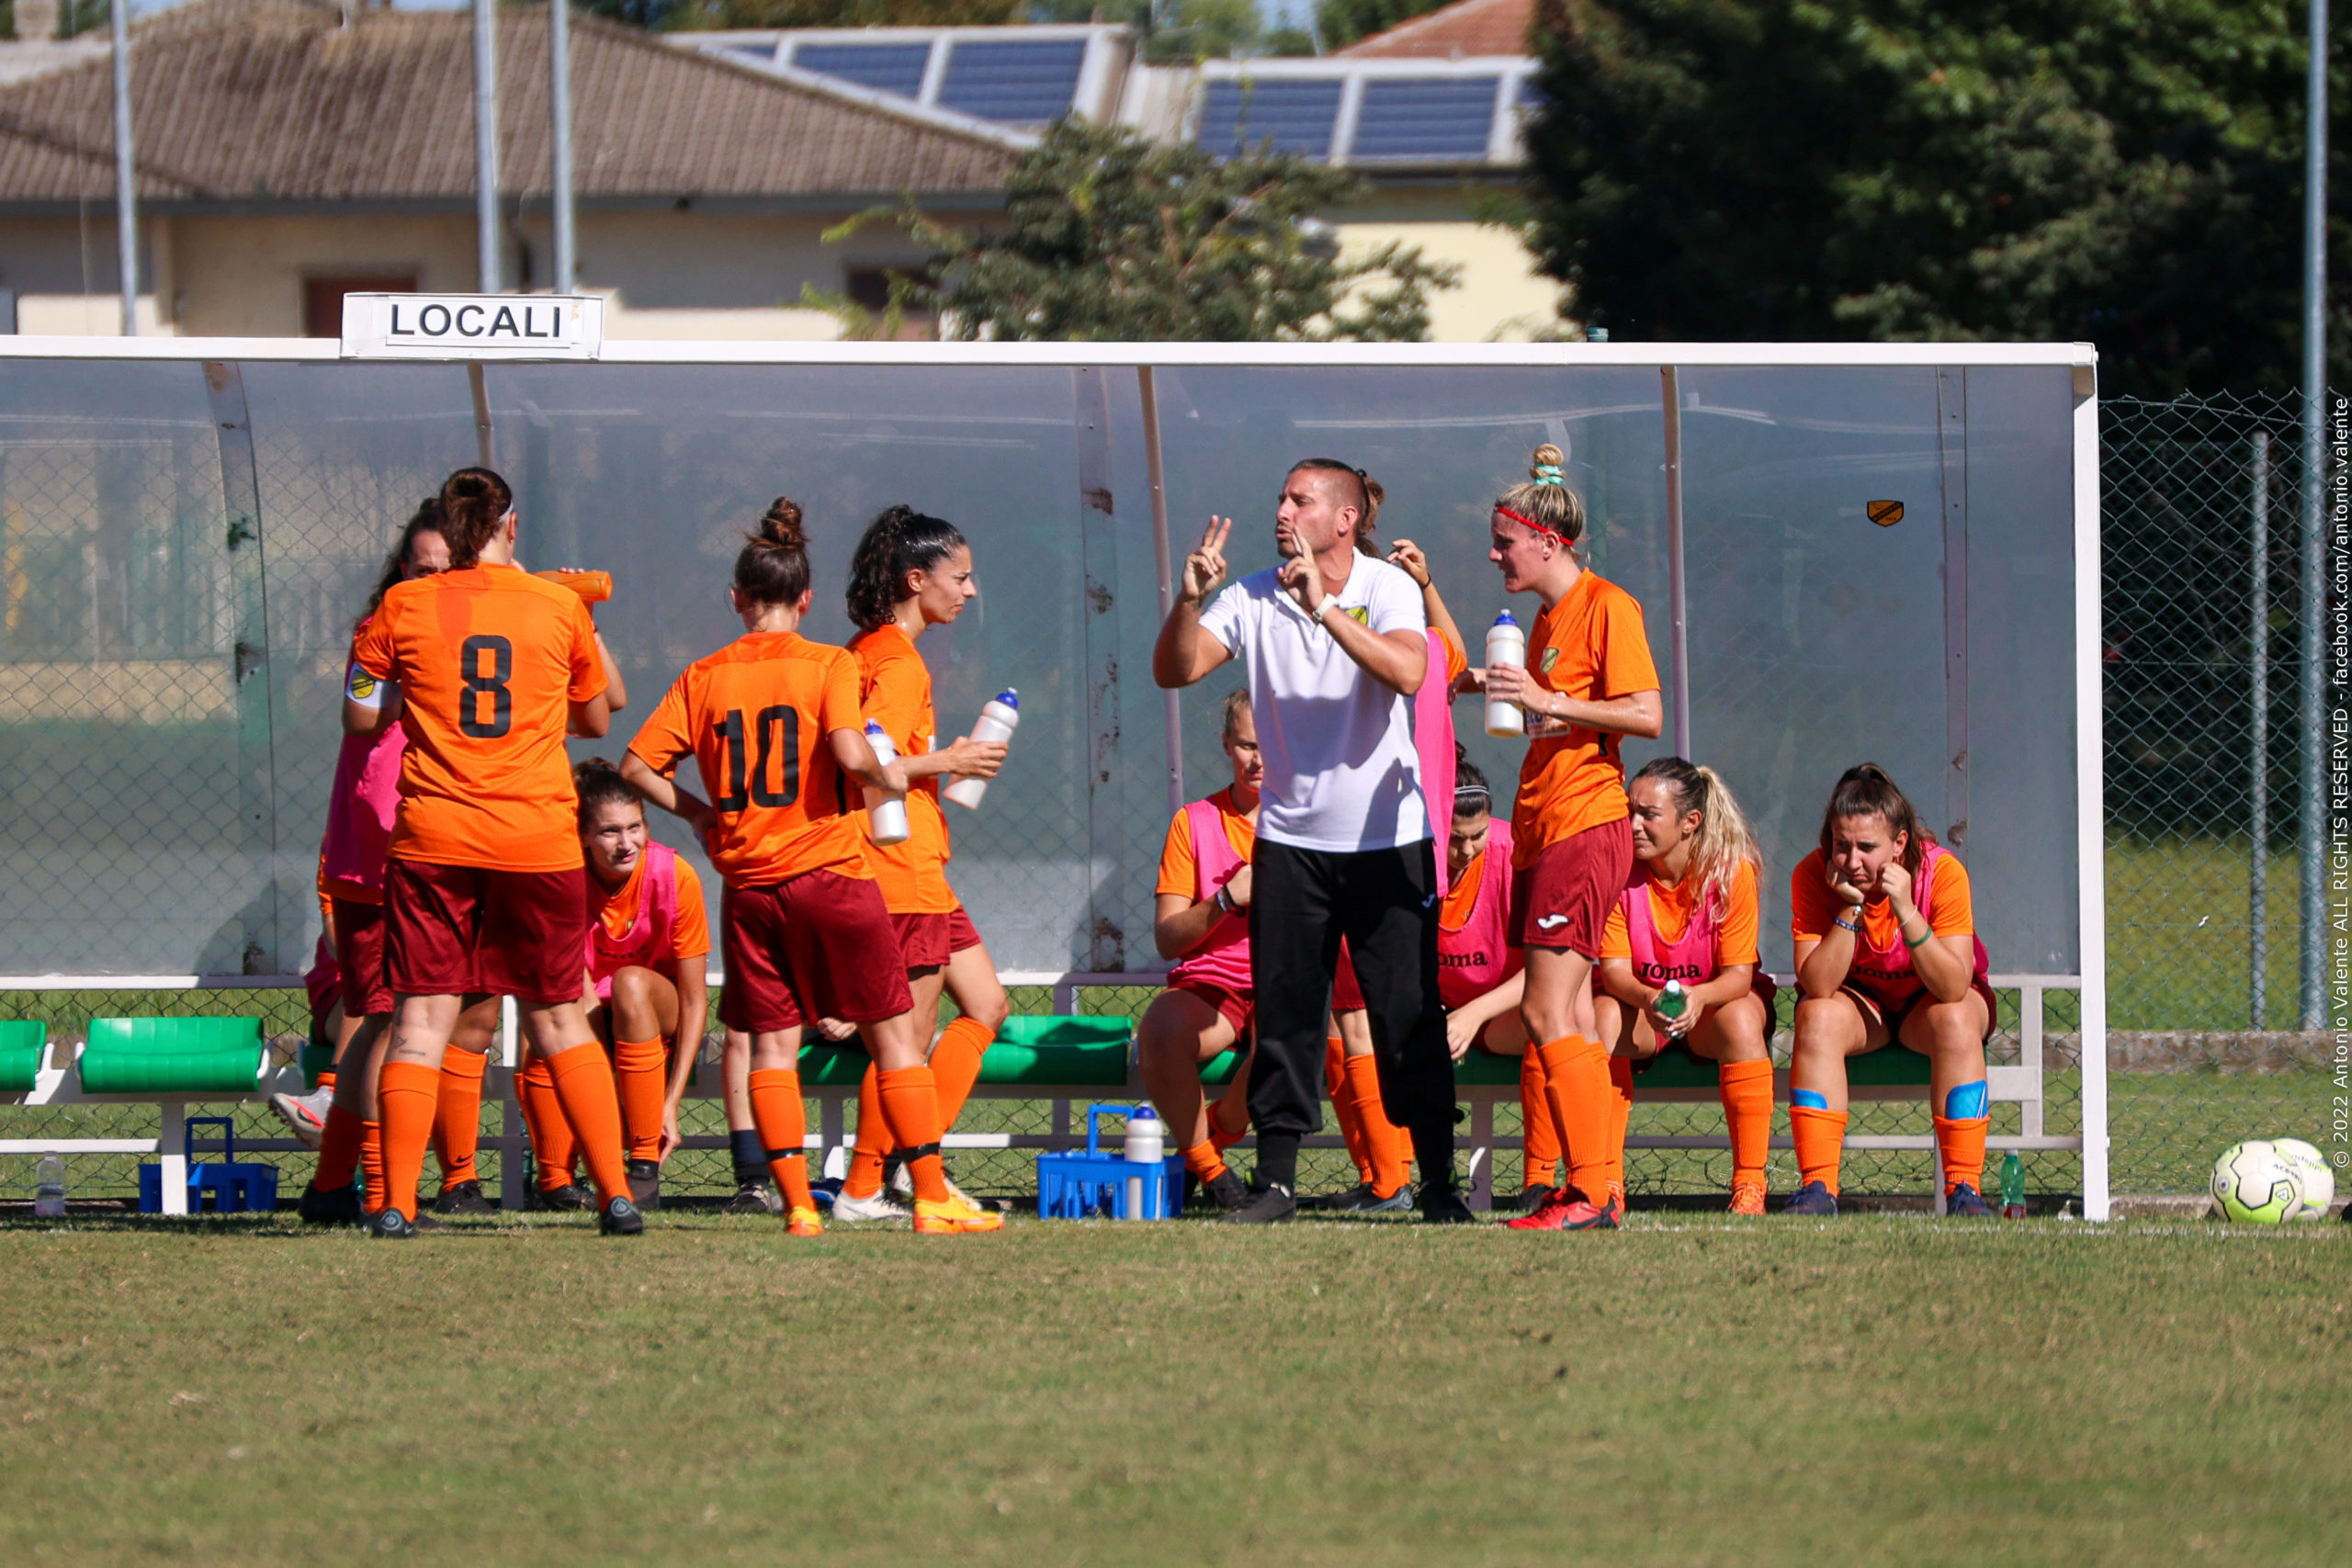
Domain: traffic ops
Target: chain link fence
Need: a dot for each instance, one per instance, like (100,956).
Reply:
(168,697)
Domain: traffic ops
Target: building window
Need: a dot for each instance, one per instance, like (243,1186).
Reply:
(322,299)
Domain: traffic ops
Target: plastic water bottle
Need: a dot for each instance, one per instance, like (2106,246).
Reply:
(1146,1137)
(1673,1002)
(999,719)
(2013,1187)
(49,1188)
(1506,648)
(595,587)
(886,814)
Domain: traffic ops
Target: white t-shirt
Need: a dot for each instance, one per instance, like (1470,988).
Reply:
(1341,773)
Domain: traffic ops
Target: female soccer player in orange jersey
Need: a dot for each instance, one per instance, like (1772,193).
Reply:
(911,572)
(647,941)
(485,891)
(1588,680)
(1886,952)
(775,725)
(1690,915)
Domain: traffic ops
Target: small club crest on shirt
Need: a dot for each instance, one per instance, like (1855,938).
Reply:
(1551,657)
(1360,615)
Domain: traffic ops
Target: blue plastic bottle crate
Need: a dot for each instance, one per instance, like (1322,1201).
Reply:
(1095,1185)
(236,1187)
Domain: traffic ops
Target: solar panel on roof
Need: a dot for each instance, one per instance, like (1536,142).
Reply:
(765,53)
(1240,117)
(1438,116)
(885,67)
(1012,81)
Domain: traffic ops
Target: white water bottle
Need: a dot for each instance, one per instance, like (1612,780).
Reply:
(1146,1137)
(886,814)
(999,718)
(49,1188)
(1506,648)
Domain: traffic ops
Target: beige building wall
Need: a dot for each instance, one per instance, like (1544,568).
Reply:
(1501,298)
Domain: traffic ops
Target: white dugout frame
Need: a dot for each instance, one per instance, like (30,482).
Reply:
(1667,358)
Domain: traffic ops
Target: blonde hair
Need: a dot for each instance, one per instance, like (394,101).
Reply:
(1236,702)
(1723,842)
(1545,501)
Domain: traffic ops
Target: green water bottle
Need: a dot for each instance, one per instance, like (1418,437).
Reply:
(2013,1187)
(1673,1003)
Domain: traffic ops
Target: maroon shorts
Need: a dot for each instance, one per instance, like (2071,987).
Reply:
(818,946)
(928,942)
(455,929)
(1346,995)
(1236,1007)
(1562,901)
(359,951)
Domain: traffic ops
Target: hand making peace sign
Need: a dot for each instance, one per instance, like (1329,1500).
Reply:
(1204,568)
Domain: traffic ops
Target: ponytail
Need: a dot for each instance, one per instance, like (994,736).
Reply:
(473,502)
(774,566)
(1724,841)
(1546,503)
(899,541)
(1864,790)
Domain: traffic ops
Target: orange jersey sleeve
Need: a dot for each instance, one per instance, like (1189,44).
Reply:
(1457,659)
(1616,937)
(489,660)
(756,717)
(1812,907)
(1735,934)
(690,932)
(893,688)
(1592,646)
(1951,904)
(1178,865)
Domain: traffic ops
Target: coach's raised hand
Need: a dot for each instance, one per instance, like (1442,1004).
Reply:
(1184,652)
(1204,568)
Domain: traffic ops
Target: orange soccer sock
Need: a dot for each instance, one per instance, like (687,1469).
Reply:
(1576,1082)
(554,1151)
(783,1121)
(1820,1138)
(874,1141)
(406,1093)
(1960,1142)
(1539,1134)
(1385,1143)
(1620,1108)
(339,1149)
(371,1162)
(955,1063)
(1343,1107)
(641,1068)
(457,1120)
(910,1099)
(1203,1161)
(1745,1088)
(583,1085)
(327,1079)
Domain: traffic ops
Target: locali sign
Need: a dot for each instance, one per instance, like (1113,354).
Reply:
(472,326)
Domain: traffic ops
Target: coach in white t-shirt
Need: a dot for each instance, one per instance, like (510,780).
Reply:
(1335,644)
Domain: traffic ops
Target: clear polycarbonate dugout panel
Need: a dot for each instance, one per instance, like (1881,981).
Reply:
(188,544)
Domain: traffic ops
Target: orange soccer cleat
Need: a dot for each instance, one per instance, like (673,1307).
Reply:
(1747,1197)
(804,1221)
(952,1216)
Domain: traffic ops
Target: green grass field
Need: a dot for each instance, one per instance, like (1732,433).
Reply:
(1693,1391)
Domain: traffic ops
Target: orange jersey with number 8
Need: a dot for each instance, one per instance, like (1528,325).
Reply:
(488,661)
(756,717)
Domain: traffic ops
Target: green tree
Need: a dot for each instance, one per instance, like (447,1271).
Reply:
(1343,22)
(1112,237)
(2124,171)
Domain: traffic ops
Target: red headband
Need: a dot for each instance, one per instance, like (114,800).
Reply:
(1530,522)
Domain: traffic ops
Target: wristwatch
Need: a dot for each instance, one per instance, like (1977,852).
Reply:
(1324,609)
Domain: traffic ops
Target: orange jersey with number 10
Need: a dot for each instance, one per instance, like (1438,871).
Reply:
(755,717)
(489,661)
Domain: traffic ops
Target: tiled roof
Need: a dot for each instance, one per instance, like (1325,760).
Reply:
(284,100)
(1471,29)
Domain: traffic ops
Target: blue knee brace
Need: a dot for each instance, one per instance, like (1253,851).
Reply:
(1966,1103)
(1810,1100)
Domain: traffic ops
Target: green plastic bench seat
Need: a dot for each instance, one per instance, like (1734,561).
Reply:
(172,1056)
(21,1039)
(1889,1064)
(1048,1051)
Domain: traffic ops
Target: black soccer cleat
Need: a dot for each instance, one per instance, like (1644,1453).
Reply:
(1813,1197)
(1964,1203)
(331,1206)
(645,1183)
(620,1217)
(1226,1190)
(1443,1206)
(570,1195)
(1364,1201)
(461,1198)
(754,1198)
(1270,1205)
(390,1224)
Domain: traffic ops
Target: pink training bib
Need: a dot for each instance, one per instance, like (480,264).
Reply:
(1886,973)
(1690,959)
(648,941)
(1475,959)
(1434,742)
(1223,957)
(360,807)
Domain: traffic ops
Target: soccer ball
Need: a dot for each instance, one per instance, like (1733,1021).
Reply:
(2313,1177)
(2253,1183)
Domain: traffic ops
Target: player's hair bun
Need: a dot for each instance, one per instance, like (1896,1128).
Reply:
(772,566)
(780,525)
(1546,463)
(1545,502)
(473,502)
